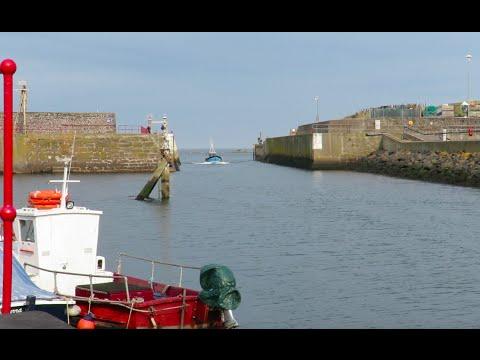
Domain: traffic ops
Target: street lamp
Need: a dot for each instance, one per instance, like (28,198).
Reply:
(316,98)
(469,60)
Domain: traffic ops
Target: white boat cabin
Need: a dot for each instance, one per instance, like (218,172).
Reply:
(59,239)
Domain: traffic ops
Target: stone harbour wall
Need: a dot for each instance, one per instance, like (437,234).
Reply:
(64,122)
(100,153)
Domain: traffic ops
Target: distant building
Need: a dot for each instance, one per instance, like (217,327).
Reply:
(457,109)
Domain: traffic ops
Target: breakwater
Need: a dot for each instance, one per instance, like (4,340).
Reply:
(340,144)
(453,162)
(93,153)
(317,151)
(459,168)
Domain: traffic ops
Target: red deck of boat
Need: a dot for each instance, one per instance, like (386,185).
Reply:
(157,306)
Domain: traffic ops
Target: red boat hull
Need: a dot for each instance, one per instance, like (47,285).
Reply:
(170,311)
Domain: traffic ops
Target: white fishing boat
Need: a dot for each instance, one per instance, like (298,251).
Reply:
(26,296)
(56,242)
(52,233)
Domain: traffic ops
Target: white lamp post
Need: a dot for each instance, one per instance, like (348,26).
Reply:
(316,98)
(469,60)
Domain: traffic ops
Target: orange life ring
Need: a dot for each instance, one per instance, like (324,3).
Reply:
(45,194)
(45,199)
(44,202)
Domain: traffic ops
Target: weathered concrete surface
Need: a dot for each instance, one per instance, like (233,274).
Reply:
(289,150)
(393,143)
(101,153)
(317,151)
(259,152)
(341,150)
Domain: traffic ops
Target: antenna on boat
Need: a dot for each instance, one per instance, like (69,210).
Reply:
(67,161)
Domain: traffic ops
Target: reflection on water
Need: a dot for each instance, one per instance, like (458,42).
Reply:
(163,225)
(323,249)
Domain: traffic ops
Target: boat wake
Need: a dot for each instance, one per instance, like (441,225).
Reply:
(212,163)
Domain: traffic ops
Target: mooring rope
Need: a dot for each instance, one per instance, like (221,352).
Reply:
(130,314)
(127,305)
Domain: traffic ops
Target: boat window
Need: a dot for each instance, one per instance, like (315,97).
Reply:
(26,230)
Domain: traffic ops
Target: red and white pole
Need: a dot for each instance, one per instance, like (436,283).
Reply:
(7,212)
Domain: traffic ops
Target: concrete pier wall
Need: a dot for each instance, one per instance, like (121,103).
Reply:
(317,151)
(289,150)
(340,150)
(337,150)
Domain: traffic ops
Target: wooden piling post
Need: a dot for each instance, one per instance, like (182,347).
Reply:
(147,189)
(165,181)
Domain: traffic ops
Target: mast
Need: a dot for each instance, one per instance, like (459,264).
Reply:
(8,212)
(212,150)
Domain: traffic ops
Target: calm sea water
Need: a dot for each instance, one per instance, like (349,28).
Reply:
(323,249)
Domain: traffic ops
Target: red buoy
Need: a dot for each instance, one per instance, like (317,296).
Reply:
(470,131)
(87,323)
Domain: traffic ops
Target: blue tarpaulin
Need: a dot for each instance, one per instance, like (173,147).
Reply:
(22,285)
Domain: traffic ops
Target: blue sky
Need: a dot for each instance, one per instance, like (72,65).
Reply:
(231,86)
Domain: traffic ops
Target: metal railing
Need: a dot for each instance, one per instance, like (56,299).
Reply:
(451,129)
(153,263)
(128,129)
(90,276)
(135,129)
(131,302)
(345,128)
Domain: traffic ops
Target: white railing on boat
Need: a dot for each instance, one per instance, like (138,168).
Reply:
(90,276)
(130,302)
(153,263)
